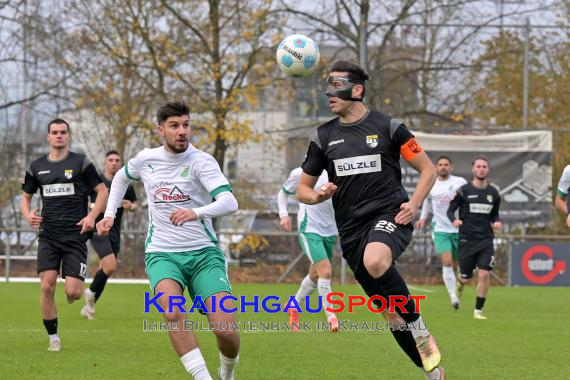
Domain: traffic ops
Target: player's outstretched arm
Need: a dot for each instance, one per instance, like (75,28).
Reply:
(284,220)
(115,200)
(561,204)
(118,189)
(496,223)
(426,208)
(105,225)
(421,162)
(88,223)
(561,201)
(454,205)
(130,205)
(224,204)
(287,189)
(100,200)
(33,218)
(306,194)
(30,186)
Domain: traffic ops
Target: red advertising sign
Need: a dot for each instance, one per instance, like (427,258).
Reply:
(540,263)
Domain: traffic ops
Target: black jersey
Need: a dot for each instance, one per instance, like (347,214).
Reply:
(363,160)
(478,209)
(64,186)
(130,195)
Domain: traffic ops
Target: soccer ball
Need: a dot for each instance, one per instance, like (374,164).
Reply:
(298,56)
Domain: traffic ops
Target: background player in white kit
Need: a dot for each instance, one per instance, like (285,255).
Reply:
(562,201)
(445,236)
(180,249)
(317,236)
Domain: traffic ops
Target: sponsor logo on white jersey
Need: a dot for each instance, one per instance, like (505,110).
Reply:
(170,195)
(358,165)
(441,200)
(58,189)
(334,142)
(480,208)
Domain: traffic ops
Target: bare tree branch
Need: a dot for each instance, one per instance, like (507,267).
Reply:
(189,25)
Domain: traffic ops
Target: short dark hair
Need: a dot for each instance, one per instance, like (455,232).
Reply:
(111,152)
(480,158)
(444,157)
(352,68)
(58,121)
(172,108)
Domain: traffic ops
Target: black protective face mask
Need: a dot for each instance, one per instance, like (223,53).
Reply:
(341,87)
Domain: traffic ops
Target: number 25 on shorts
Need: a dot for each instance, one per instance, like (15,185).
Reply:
(384,225)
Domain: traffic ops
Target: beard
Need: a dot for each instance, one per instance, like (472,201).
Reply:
(176,149)
(480,178)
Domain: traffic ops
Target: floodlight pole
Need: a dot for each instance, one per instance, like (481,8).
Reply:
(525,83)
(363,34)
(25,114)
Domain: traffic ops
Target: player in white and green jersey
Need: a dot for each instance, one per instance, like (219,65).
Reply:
(180,248)
(317,235)
(562,201)
(445,236)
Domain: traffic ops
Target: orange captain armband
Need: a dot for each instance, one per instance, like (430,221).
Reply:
(410,149)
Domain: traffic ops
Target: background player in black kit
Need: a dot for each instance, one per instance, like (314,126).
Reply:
(478,205)
(361,151)
(107,247)
(65,180)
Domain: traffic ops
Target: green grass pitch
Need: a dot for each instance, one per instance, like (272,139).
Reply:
(526,337)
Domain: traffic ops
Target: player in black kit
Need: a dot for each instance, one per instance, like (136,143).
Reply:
(65,180)
(361,151)
(107,247)
(478,205)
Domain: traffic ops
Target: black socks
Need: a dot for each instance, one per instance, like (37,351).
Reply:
(98,283)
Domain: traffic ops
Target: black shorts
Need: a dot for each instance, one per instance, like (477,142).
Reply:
(104,245)
(385,230)
(475,253)
(70,255)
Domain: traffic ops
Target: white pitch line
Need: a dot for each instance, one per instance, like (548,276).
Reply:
(136,281)
(68,331)
(420,289)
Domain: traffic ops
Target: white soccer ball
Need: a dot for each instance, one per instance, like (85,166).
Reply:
(298,55)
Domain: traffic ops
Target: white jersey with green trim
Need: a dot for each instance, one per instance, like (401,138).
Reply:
(177,181)
(317,219)
(564,183)
(438,201)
